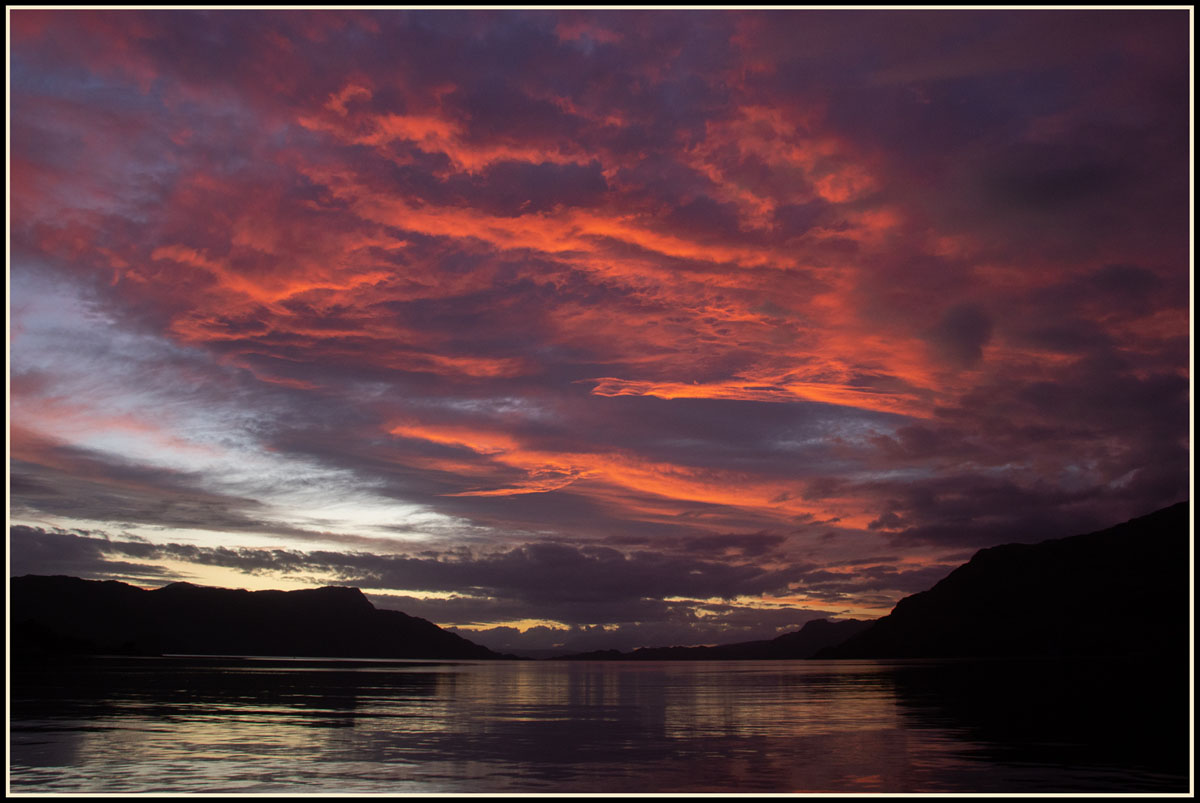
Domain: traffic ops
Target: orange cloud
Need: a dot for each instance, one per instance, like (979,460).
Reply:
(783,392)
(621,479)
(431,131)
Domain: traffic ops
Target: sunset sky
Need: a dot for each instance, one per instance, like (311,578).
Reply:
(592,328)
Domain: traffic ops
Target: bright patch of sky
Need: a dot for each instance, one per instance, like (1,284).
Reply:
(140,399)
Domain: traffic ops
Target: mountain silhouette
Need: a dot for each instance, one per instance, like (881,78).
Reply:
(1118,592)
(1123,591)
(60,614)
(803,643)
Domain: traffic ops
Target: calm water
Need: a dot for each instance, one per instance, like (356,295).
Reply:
(274,726)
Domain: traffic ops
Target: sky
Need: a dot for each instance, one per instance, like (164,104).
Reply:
(592,329)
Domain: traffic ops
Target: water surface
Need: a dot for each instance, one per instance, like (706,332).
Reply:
(230,725)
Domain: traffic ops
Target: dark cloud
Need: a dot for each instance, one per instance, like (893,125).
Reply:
(886,521)
(1127,282)
(491,108)
(961,333)
(545,575)
(1041,177)
(794,220)
(833,587)
(516,188)
(578,587)
(95,488)
(704,218)
(917,442)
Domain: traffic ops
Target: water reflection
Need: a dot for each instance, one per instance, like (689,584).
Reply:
(1098,722)
(154,725)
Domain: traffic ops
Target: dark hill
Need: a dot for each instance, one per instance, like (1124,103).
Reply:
(1120,591)
(803,643)
(69,615)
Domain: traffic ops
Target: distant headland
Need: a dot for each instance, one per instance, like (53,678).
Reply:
(1123,591)
(69,615)
(1120,591)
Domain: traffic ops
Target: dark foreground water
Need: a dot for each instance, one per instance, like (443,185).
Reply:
(305,726)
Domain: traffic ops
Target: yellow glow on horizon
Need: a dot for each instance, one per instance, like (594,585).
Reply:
(794,601)
(227,577)
(402,592)
(518,624)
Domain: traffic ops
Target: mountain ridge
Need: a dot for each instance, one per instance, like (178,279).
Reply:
(803,643)
(61,614)
(1118,591)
